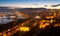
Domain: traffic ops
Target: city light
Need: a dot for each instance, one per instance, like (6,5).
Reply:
(29,17)
(56,25)
(51,21)
(37,17)
(24,29)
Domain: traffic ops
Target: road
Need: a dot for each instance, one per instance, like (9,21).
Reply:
(14,29)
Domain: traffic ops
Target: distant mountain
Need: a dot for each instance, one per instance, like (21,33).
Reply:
(6,9)
(10,9)
(30,8)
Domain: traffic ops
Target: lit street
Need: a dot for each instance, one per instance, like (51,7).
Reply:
(27,26)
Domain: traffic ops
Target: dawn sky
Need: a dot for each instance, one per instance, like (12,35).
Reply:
(28,3)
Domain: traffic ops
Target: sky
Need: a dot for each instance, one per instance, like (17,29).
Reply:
(28,3)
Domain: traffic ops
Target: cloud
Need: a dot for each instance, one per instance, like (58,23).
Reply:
(55,5)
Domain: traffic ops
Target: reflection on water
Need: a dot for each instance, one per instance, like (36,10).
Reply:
(4,20)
